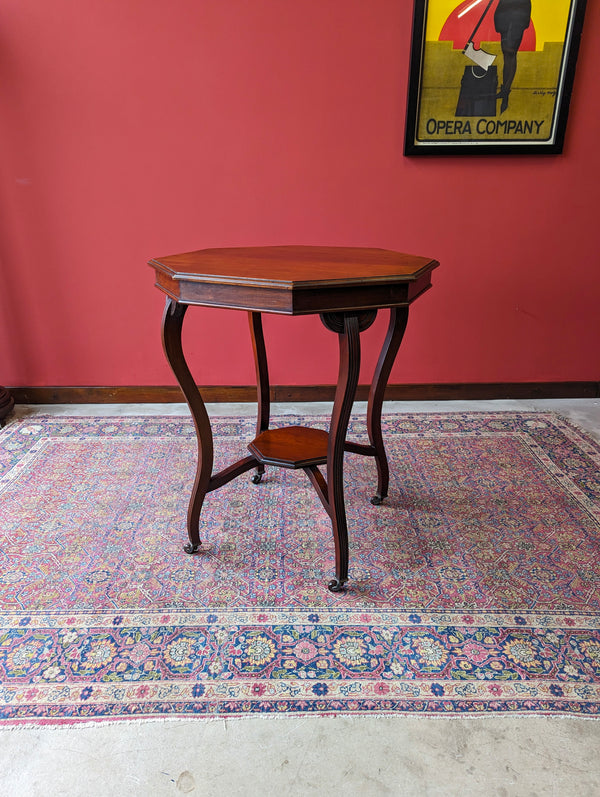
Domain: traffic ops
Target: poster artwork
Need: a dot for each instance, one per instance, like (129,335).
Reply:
(491,72)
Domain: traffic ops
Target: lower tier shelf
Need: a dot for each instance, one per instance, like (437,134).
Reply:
(291,447)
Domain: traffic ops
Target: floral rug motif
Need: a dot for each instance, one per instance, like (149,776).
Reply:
(474,588)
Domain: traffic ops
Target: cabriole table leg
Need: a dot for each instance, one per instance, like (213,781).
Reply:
(349,341)
(262,382)
(6,405)
(171,336)
(391,344)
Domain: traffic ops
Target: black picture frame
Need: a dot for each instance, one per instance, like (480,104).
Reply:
(457,102)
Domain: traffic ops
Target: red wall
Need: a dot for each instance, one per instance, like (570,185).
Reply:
(135,129)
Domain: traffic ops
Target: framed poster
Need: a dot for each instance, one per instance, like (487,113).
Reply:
(491,76)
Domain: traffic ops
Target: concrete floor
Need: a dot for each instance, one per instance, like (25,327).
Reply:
(501,756)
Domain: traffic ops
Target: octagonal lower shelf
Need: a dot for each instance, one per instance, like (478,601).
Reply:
(291,447)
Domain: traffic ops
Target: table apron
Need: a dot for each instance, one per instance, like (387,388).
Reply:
(300,301)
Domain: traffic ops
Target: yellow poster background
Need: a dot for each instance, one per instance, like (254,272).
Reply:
(530,114)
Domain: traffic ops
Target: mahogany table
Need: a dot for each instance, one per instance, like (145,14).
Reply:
(346,287)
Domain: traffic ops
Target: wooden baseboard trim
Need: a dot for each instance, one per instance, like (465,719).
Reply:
(298,393)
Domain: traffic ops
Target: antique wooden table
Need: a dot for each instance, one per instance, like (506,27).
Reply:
(346,287)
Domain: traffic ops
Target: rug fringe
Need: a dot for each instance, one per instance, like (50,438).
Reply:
(395,717)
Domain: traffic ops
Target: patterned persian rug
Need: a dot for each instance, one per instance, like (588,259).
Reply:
(474,588)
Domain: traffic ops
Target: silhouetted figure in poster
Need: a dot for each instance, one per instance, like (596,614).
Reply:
(511,20)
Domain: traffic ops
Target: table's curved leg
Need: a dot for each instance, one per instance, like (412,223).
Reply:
(171,335)
(393,339)
(262,382)
(349,339)
(6,405)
